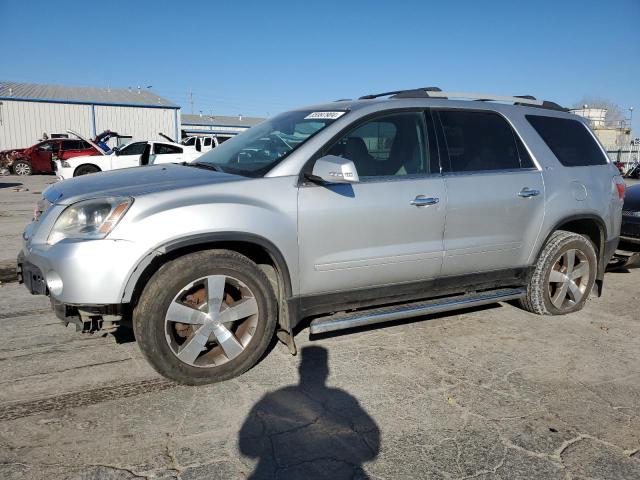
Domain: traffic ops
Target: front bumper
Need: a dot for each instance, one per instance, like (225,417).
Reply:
(91,272)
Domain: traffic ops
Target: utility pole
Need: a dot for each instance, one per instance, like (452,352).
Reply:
(191,100)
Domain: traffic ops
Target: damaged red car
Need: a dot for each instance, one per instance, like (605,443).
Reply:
(40,157)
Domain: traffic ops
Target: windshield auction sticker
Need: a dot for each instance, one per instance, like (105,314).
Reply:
(324,115)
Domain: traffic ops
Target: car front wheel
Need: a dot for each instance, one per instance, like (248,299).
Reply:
(563,276)
(22,168)
(205,317)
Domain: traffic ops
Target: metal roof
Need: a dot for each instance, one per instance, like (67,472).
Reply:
(34,92)
(219,120)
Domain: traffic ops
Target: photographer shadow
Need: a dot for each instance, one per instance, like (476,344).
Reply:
(309,430)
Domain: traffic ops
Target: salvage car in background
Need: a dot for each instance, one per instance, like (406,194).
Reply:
(134,154)
(40,157)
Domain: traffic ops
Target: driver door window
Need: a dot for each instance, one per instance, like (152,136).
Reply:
(133,149)
(129,156)
(393,145)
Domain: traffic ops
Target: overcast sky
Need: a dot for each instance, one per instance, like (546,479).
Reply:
(260,58)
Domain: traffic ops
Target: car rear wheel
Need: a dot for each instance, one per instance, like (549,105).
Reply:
(205,317)
(85,170)
(563,277)
(22,168)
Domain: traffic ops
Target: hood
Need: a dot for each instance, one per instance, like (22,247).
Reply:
(632,198)
(88,141)
(134,182)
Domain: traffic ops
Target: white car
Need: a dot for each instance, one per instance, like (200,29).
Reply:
(134,154)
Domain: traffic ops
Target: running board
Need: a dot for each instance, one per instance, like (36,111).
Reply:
(343,320)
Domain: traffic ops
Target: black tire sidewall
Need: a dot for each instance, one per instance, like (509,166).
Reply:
(85,170)
(149,317)
(585,247)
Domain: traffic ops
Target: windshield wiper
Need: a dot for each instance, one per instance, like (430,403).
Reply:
(206,166)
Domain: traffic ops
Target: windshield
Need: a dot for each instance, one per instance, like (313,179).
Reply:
(256,151)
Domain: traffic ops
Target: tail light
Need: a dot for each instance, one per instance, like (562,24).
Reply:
(620,186)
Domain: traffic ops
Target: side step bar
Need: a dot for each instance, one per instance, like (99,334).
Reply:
(344,320)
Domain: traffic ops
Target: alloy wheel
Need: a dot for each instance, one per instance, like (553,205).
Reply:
(22,169)
(568,279)
(211,321)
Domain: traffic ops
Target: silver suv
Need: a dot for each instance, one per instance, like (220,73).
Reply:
(350,213)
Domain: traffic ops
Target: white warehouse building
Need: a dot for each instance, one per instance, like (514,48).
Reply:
(29,110)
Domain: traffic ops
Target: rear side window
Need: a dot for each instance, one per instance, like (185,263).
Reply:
(163,149)
(478,141)
(569,141)
(71,145)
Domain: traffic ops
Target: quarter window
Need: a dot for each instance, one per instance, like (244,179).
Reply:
(569,141)
(393,145)
(477,141)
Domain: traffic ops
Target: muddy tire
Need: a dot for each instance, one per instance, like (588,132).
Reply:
(563,277)
(85,170)
(22,168)
(205,317)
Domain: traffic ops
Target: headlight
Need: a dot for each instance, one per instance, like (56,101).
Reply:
(89,219)
(65,164)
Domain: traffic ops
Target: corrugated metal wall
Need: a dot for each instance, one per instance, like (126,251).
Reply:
(23,123)
(141,123)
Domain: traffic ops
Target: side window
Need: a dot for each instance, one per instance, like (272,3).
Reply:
(163,149)
(47,147)
(477,141)
(71,144)
(190,142)
(133,149)
(569,141)
(207,142)
(392,145)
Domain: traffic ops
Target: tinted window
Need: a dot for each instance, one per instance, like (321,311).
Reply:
(478,141)
(390,145)
(569,141)
(71,145)
(163,148)
(133,149)
(190,142)
(207,142)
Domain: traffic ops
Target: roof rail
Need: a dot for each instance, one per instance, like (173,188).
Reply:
(417,91)
(434,92)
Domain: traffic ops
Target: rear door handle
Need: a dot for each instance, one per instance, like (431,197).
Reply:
(422,201)
(528,193)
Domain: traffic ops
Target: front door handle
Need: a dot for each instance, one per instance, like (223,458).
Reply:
(422,201)
(528,193)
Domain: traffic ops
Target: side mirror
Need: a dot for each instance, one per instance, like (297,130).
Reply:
(333,169)
(116,151)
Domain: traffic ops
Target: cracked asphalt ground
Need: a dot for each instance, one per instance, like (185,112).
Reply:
(493,392)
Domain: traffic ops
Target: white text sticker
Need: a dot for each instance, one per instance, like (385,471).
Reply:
(324,115)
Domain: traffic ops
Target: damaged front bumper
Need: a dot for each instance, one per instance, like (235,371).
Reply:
(84,280)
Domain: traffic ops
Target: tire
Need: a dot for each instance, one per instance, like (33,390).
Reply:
(184,283)
(85,170)
(22,168)
(552,289)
